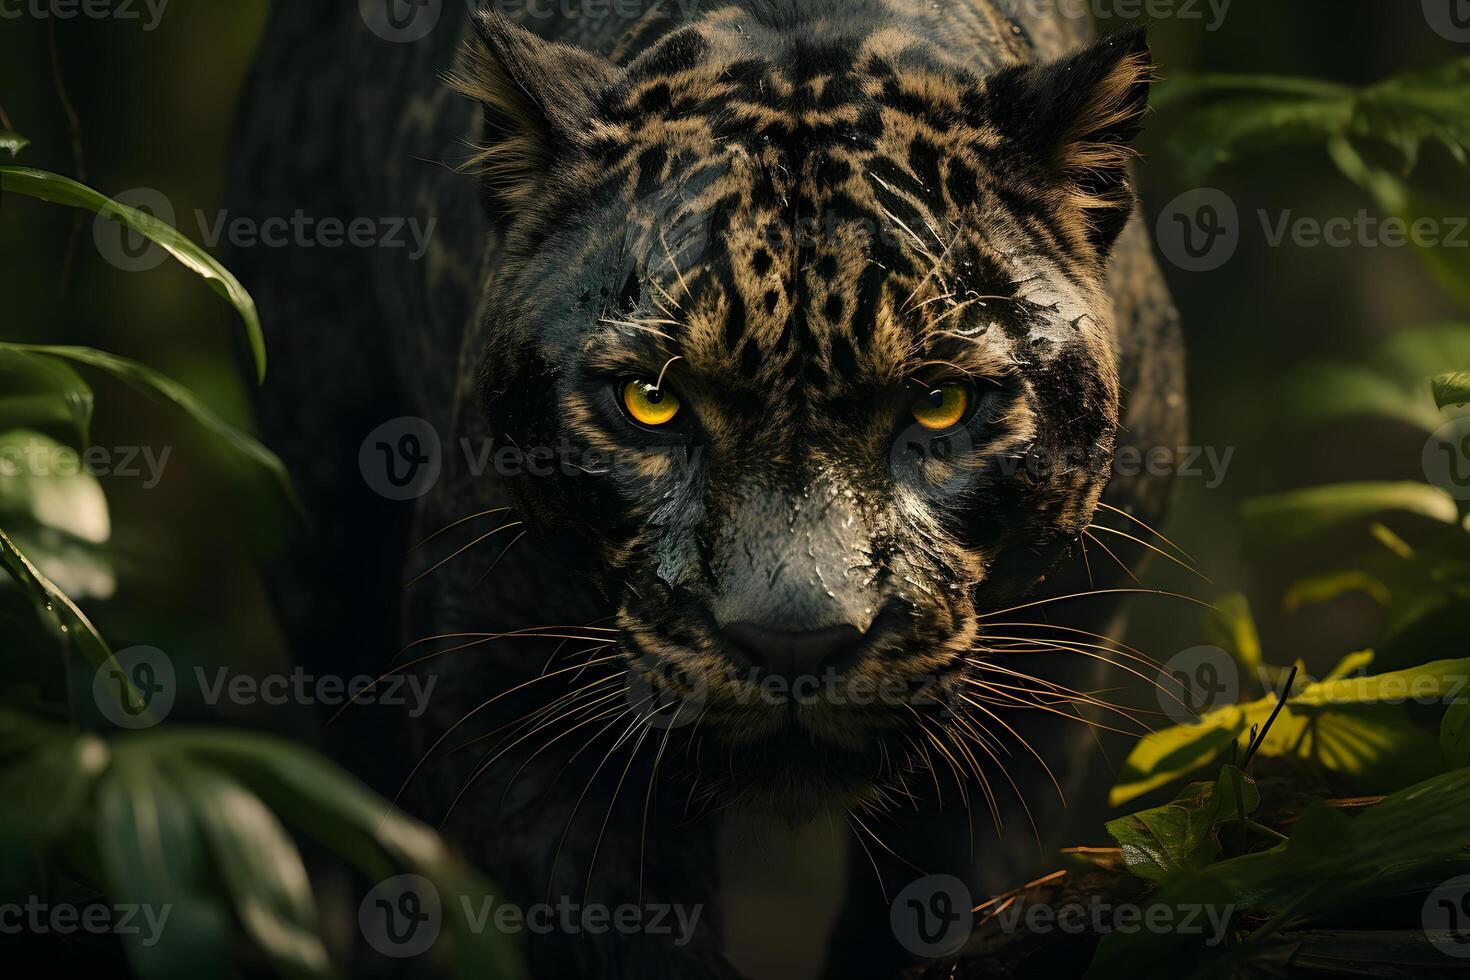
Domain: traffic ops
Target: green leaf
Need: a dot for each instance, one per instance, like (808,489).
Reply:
(1451,389)
(1233,116)
(64,620)
(1353,726)
(153,383)
(63,190)
(261,869)
(1409,109)
(1445,261)
(333,808)
(1182,834)
(1412,840)
(1454,734)
(1387,384)
(1299,515)
(1331,585)
(45,482)
(1230,625)
(12,143)
(47,777)
(41,392)
(153,856)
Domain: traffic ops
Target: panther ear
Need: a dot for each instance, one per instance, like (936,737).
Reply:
(1074,119)
(537,98)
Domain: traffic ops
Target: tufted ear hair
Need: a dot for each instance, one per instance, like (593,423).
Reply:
(537,97)
(1074,119)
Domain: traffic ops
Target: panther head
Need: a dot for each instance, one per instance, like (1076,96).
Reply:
(817,330)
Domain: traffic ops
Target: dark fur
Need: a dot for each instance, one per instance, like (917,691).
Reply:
(647,198)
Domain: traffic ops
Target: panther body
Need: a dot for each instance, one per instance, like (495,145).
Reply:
(717,272)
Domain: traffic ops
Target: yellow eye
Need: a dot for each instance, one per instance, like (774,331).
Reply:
(942,407)
(649,405)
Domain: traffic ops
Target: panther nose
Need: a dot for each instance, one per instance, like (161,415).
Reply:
(794,654)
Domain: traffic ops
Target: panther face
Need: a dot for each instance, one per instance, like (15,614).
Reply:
(817,334)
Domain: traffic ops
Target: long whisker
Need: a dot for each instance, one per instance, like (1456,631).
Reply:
(462,520)
(1097,592)
(443,561)
(1158,551)
(1088,535)
(1146,527)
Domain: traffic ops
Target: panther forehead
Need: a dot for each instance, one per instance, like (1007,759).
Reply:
(823,217)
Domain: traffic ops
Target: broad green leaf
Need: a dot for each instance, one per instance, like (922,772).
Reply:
(261,869)
(1447,262)
(1353,663)
(1183,834)
(153,383)
(1387,384)
(1353,726)
(78,568)
(1454,734)
(45,482)
(41,392)
(63,190)
(1330,585)
(153,856)
(64,620)
(1230,625)
(1232,116)
(323,802)
(1436,681)
(46,776)
(1409,109)
(1412,840)
(12,143)
(1452,389)
(1299,515)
